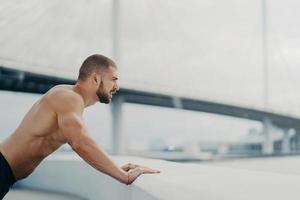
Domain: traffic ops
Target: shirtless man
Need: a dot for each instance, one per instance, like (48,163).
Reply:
(56,119)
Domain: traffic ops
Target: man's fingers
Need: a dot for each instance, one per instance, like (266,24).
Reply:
(147,170)
(132,166)
(138,170)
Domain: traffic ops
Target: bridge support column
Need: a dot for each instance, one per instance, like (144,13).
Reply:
(295,141)
(286,147)
(268,148)
(297,145)
(118,139)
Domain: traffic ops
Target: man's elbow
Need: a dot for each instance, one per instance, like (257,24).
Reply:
(81,144)
(77,146)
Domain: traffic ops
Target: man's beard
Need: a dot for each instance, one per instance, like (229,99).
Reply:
(102,96)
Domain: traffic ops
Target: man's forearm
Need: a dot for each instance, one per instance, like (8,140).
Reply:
(99,159)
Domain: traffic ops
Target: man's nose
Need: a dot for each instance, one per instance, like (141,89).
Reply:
(117,87)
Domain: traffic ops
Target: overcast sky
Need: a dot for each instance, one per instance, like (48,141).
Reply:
(207,49)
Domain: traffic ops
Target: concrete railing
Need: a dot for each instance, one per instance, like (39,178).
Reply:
(69,174)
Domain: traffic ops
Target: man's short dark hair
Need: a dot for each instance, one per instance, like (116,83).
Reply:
(95,63)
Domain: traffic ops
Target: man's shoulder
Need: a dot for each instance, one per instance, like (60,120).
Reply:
(63,97)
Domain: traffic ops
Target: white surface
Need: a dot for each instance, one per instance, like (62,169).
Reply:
(176,181)
(289,165)
(20,194)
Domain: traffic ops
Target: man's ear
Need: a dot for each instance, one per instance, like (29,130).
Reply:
(96,78)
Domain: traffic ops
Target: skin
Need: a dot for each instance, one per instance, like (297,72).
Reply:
(56,119)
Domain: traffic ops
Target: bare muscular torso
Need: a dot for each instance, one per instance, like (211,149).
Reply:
(37,136)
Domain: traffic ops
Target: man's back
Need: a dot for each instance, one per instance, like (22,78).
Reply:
(38,135)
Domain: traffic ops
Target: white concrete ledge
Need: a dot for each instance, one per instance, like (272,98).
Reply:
(177,181)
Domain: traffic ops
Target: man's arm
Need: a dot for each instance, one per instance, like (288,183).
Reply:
(72,126)
(69,115)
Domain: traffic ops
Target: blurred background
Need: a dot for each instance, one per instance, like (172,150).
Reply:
(200,80)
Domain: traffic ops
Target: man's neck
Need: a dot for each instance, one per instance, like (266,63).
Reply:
(81,89)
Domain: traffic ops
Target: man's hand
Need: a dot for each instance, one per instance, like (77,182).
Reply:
(134,171)
(129,166)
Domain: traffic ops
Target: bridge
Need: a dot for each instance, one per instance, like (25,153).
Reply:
(25,81)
